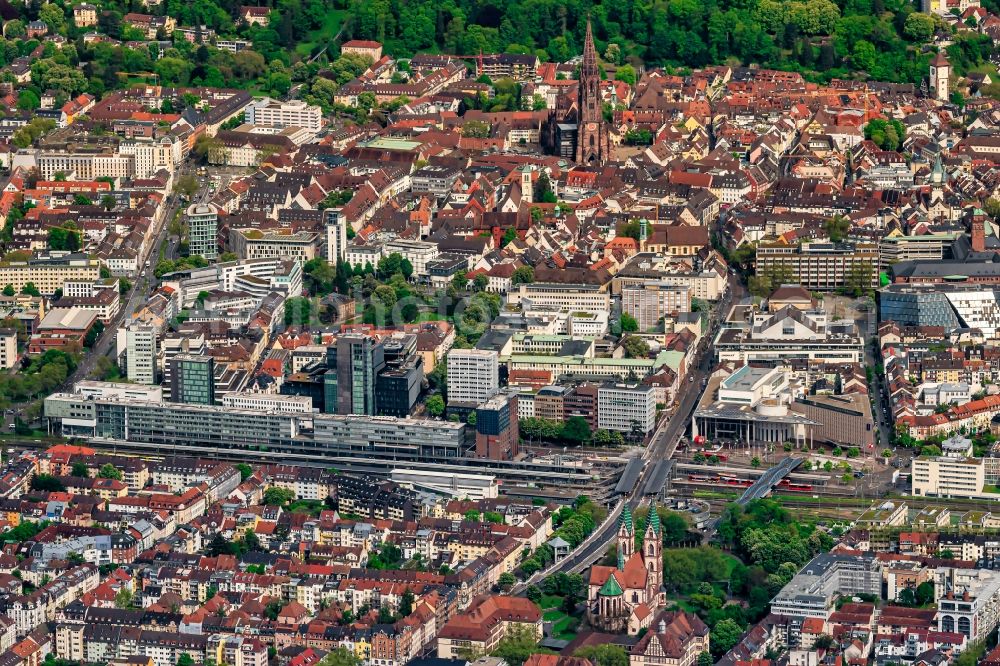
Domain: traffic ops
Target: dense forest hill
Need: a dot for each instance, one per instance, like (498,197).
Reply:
(886,40)
(883,39)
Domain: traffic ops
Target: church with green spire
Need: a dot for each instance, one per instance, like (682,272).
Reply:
(625,598)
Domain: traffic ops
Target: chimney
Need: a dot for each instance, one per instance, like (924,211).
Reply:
(978,235)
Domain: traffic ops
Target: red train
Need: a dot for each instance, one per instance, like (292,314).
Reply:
(785,484)
(708,453)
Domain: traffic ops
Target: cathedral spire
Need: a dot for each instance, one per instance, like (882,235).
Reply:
(589,52)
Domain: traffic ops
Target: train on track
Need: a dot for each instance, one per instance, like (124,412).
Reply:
(736,482)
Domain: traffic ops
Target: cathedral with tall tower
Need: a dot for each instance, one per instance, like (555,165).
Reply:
(625,598)
(576,129)
(593,143)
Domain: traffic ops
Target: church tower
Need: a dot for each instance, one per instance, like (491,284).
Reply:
(652,555)
(626,535)
(593,143)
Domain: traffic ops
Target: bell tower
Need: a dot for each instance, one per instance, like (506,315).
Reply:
(940,70)
(652,555)
(593,143)
(626,534)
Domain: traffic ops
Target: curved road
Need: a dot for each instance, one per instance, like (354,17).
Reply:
(661,447)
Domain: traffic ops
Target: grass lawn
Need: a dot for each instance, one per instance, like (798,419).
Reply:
(550,601)
(731,562)
(331,26)
(563,625)
(714,494)
(565,629)
(430,315)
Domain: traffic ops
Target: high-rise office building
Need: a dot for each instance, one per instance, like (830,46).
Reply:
(203,229)
(358,360)
(360,375)
(497,428)
(174,344)
(473,375)
(398,385)
(192,379)
(628,408)
(140,347)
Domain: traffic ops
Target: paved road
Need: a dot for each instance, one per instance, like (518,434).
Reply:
(106,345)
(661,447)
(142,286)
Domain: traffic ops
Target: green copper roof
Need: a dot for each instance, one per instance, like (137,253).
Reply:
(654,520)
(626,519)
(611,588)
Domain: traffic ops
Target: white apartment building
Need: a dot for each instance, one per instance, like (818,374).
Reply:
(280,274)
(139,342)
(275,113)
(203,222)
(256,244)
(360,255)
(101,296)
(296,135)
(49,273)
(572,297)
(153,155)
(473,375)
(814,590)
(87,288)
(278,271)
(944,393)
(85,166)
(707,284)
(306,354)
(418,253)
(336,235)
(8,348)
(268,402)
(948,477)
(972,605)
(628,408)
(587,324)
(650,302)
